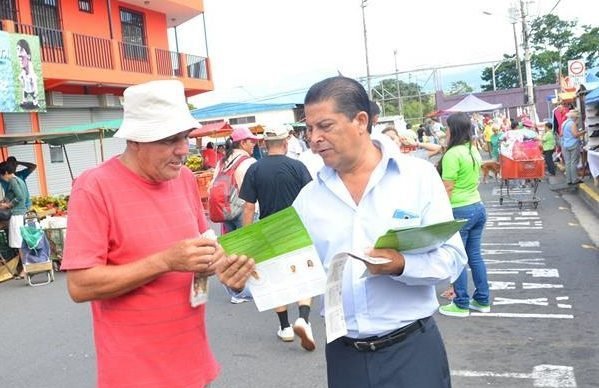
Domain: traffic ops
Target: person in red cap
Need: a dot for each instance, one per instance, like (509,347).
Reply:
(238,155)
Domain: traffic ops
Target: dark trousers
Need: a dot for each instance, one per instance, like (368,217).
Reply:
(418,361)
(549,161)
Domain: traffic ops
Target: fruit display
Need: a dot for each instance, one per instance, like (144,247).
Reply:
(194,162)
(50,205)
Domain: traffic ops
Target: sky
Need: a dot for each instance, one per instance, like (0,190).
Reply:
(274,50)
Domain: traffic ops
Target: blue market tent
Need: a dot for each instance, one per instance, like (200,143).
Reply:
(592,97)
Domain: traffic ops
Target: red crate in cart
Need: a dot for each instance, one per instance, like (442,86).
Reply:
(521,169)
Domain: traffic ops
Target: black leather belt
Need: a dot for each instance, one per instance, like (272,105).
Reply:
(372,344)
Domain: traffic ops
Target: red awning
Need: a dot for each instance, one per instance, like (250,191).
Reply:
(220,129)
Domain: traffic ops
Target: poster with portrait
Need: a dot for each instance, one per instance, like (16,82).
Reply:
(21,81)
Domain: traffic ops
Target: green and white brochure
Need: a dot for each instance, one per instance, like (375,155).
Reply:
(288,268)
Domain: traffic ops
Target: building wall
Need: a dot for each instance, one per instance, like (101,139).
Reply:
(81,156)
(510,98)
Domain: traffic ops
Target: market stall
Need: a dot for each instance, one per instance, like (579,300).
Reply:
(49,206)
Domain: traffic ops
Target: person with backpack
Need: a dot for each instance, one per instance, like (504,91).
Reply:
(274,182)
(224,205)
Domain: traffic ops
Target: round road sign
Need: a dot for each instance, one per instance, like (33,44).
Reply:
(576,68)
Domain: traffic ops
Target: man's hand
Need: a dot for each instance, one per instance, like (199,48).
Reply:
(234,271)
(194,255)
(395,267)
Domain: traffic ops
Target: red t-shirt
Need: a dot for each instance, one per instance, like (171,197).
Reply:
(151,336)
(210,157)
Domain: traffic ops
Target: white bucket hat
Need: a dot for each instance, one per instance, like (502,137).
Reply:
(155,110)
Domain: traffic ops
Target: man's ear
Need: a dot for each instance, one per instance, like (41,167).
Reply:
(362,121)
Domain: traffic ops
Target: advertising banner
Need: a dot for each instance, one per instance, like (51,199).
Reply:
(21,81)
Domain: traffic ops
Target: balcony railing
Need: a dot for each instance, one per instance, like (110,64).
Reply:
(51,42)
(91,51)
(168,63)
(94,52)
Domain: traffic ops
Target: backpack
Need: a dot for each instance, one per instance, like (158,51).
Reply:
(224,203)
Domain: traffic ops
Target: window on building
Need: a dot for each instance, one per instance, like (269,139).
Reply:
(243,120)
(134,37)
(8,10)
(86,6)
(46,21)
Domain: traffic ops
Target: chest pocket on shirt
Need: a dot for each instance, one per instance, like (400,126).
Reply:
(404,218)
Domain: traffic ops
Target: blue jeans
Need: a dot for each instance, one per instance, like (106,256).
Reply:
(471,235)
(233,224)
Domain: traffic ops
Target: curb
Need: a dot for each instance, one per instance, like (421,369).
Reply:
(589,196)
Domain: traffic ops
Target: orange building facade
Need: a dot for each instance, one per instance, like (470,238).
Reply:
(91,50)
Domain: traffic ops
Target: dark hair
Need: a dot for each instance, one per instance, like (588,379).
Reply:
(390,129)
(374,108)
(230,145)
(210,145)
(549,125)
(5,168)
(513,123)
(24,45)
(460,133)
(349,96)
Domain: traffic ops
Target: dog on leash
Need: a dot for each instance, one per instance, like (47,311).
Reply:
(488,166)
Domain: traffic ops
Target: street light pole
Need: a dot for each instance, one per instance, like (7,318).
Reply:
(514,18)
(530,100)
(397,83)
(363,5)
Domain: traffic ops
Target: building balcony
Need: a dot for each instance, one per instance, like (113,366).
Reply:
(69,59)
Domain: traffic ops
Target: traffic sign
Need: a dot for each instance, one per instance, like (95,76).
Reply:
(576,68)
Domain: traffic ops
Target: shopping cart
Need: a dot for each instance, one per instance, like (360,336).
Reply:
(524,175)
(35,251)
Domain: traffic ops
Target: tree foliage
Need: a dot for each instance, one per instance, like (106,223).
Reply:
(459,87)
(553,42)
(415,104)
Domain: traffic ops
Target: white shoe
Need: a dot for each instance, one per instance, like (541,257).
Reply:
(236,300)
(286,334)
(304,331)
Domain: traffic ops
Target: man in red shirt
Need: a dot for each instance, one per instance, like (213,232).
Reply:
(137,234)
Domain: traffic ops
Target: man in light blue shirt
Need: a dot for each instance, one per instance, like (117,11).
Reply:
(367,187)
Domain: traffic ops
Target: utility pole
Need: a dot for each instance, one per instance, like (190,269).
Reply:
(513,13)
(530,100)
(399,110)
(363,5)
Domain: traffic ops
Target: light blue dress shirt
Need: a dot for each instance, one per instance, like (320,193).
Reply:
(400,184)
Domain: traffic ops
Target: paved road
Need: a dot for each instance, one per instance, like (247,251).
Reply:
(542,331)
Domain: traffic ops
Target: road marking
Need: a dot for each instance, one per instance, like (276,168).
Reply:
(501,285)
(562,298)
(506,251)
(543,376)
(535,261)
(522,315)
(515,228)
(587,246)
(535,286)
(564,306)
(535,272)
(522,244)
(534,302)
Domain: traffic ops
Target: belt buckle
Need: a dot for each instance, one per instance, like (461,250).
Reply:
(363,346)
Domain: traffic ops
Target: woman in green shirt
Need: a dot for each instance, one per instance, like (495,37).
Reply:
(548,144)
(460,171)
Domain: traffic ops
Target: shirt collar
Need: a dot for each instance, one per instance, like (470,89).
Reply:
(390,158)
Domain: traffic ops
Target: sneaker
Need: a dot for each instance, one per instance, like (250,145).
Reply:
(286,334)
(483,308)
(238,300)
(304,331)
(452,310)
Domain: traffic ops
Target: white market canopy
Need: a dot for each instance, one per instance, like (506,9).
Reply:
(471,103)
